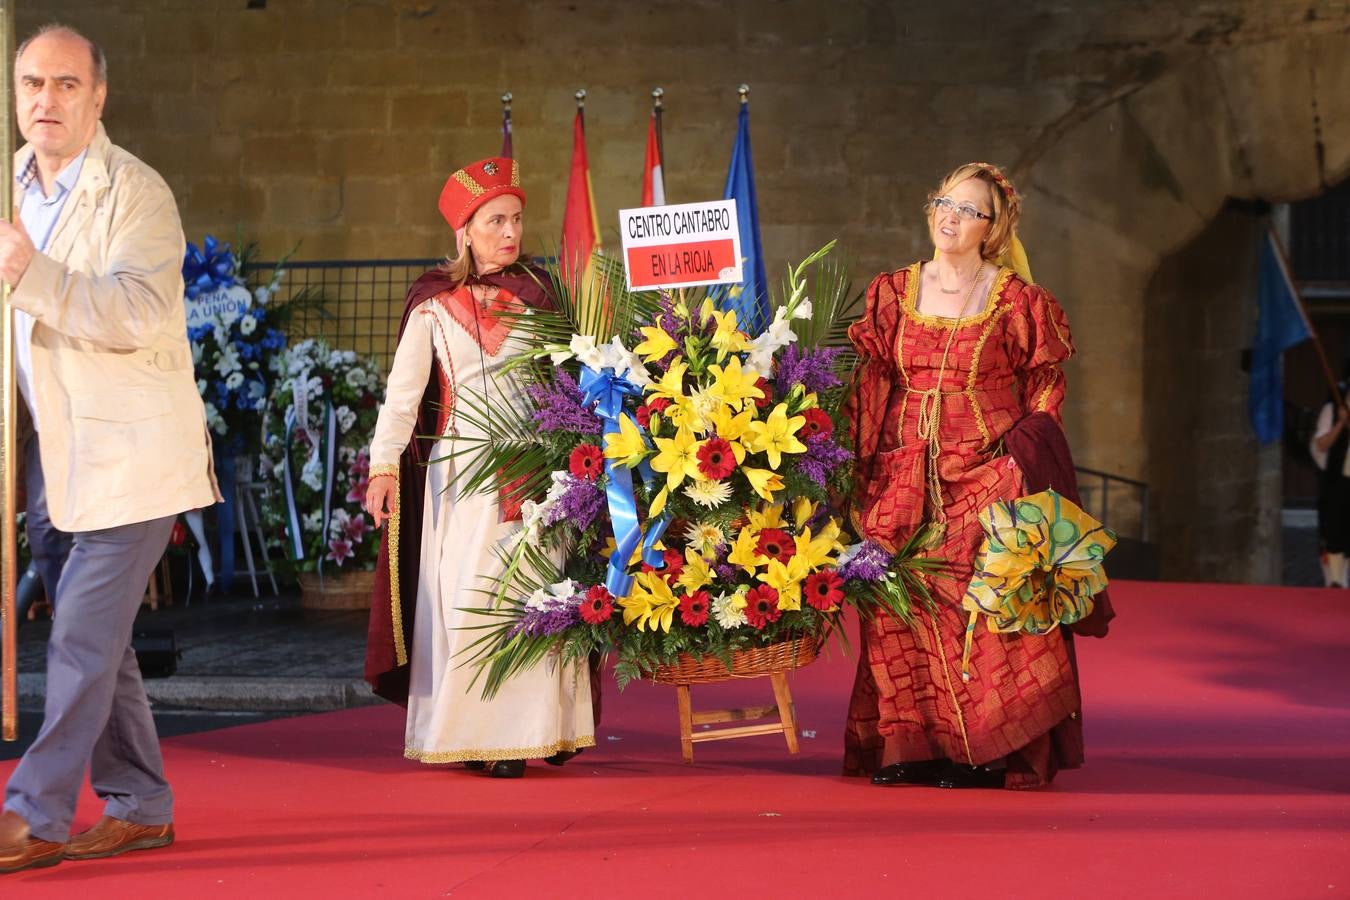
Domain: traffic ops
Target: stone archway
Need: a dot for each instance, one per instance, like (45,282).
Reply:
(1139,177)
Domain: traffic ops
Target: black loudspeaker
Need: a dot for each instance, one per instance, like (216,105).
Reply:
(157,652)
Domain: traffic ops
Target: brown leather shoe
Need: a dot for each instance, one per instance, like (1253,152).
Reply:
(111,837)
(19,850)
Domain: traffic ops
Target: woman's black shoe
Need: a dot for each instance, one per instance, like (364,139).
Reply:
(508,768)
(562,756)
(475,765)
(962,776)
(921,772)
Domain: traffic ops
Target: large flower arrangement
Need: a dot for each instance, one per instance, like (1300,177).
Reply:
(689,485)
(237,354)
(320,418)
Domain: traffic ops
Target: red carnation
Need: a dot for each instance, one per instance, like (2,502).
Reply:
(776,544)
(694,609)
(766,390)
(715,459)
(587,461)
(598,606)
(761,606)
(824,589)
(643,414)
(658,404)
(818,421)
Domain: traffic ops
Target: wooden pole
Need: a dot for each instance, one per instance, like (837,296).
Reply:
(9,545)
(1328,371)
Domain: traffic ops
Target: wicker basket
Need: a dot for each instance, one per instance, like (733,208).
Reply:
(338,590)
(752,663)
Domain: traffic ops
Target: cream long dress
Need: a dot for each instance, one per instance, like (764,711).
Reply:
(538,712)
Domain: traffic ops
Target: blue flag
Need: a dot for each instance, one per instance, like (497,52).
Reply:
(751,301)
(1279,325)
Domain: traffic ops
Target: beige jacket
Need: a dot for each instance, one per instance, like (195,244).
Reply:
(123,429)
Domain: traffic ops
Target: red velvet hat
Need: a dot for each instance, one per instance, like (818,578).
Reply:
(476,184)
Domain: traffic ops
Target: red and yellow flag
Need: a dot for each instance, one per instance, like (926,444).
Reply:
(581,231)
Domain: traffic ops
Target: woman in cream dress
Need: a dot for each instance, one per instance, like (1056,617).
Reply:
(455,336)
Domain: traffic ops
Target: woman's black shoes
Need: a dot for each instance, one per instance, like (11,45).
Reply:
(475,765)
(925,772)
(508,768)
(939,773)
(961,776)
(562,756)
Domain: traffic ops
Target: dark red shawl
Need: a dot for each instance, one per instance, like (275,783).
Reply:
(387,678)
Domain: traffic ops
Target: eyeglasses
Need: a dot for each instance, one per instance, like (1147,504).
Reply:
(965,210)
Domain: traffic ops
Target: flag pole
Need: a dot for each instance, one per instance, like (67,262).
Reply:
(9,556)
(1328,371)
(508,138)
(657,108)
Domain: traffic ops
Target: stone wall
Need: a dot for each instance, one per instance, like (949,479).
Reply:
(1126,122)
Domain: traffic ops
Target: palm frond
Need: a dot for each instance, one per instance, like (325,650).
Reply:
(501,446)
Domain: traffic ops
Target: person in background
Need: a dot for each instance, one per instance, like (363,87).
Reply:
(1328,447)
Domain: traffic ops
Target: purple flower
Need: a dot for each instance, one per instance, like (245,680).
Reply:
(822,457)
(726,573)
(579,505)
(559,407)
(552,619)
(813,369)
(870,563)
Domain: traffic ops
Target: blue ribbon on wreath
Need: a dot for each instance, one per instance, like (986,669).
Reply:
(207,269)
(608,392)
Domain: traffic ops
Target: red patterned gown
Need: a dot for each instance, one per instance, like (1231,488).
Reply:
(935,396)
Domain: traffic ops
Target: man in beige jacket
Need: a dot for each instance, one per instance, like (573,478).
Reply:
(120,447)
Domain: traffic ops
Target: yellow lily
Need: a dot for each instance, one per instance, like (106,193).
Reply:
(814,551)
(763,481)
(626,447)
(671,385)
(656,345)
(831,532)
(732,427)
(786,578)
(727,338)
(735,385)
(745,551)
(802,510)
(650,604)
(775,435)
(769,515)
(678,457)
(696,573)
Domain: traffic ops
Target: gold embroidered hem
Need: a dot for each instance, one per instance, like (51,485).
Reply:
(432,757)
(395,595)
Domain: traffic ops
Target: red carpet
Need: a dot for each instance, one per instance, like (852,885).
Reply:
(1218,726)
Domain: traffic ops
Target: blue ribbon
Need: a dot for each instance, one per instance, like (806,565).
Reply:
(207,269)
(608,392)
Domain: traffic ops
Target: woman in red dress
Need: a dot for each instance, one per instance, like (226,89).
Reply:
(956,352)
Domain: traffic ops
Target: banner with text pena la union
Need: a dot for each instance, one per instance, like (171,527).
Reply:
(682,245)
